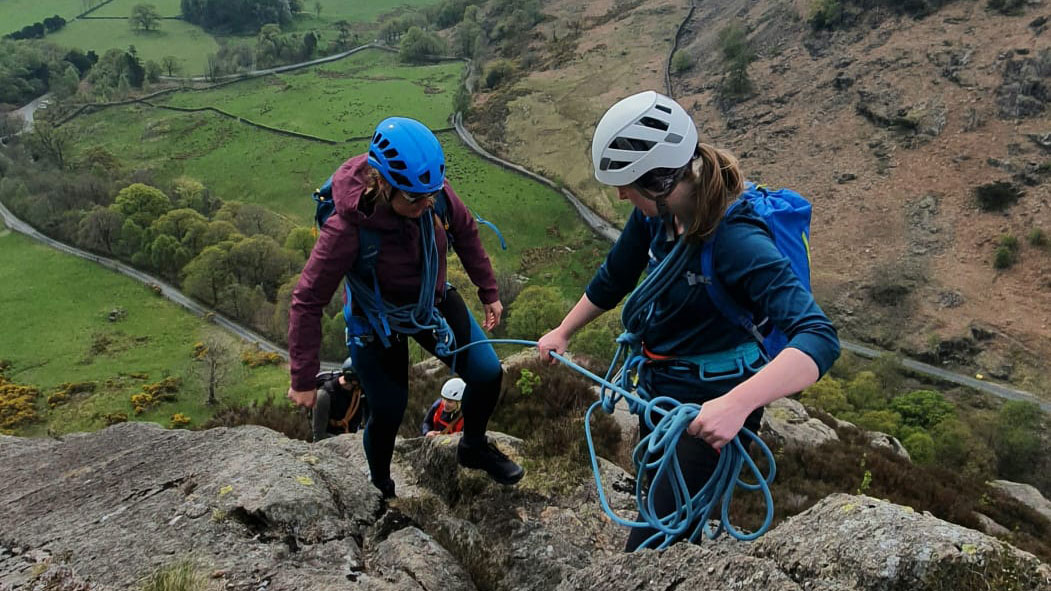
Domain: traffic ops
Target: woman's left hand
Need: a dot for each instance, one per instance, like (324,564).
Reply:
(719,420)
(492,315)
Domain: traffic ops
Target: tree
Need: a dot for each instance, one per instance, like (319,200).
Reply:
(536,310)
(52,142)
(144,17)
(167,255)
(418,45)
(141,204)
(468,38)
(309,45)
(1017,439)
(212,361)
(922,408)
(171,65)
(208,274)
(99,230)
(920,446)
(259,260)
(828,395)
(185,225)
(301,241)
(865,393)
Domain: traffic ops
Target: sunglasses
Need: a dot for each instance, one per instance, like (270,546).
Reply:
(414,197)
(658,182)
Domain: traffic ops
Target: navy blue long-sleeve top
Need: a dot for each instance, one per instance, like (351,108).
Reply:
(755,274)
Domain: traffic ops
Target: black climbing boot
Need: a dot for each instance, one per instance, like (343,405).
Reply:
(485,456)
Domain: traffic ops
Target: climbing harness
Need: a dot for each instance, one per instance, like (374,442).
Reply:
(384,319)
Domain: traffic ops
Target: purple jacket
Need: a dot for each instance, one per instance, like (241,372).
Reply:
(397,268)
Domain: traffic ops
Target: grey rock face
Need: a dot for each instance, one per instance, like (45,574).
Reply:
(1025,494)
(786,423)
(248,502)
(255,511)
(878,546)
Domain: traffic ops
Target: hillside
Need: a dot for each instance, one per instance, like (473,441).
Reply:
(889,125)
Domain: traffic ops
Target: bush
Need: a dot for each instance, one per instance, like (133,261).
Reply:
(680,62)
(178,421)
(280,417)
(997,196)
(254,358)
(1004,258)
(16,404)
(920,446)
(1037,237)
(498,72)
(825,14)
(545,405)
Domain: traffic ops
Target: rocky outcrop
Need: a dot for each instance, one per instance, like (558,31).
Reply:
(786,423)
(1025,494)
(255,510)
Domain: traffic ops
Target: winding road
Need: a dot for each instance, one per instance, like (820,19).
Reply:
(599,225)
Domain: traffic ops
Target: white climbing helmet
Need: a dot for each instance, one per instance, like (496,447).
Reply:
(453,389)
(640,133)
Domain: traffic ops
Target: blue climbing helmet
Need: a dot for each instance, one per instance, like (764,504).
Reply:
(408,155)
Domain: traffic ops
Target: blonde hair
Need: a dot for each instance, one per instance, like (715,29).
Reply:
(376,188)
(717,180)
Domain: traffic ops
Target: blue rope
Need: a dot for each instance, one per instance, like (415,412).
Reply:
(409,318)
(656,453)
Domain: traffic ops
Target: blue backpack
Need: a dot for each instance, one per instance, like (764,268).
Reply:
(787,214)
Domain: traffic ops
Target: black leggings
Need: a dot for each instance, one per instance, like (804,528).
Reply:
(384,374)
(696,457)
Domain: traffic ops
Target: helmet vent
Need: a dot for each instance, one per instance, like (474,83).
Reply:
(397,164)
(631,144)
(441,169)
(383,145)
(653,123)
(391,153)
(673,138)
(616,165)
(663,108)
(425,178)
(399,178)
(377,137)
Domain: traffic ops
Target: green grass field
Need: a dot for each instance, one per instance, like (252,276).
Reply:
(123,7)
(354,11)
(189,43)
(56,330)
(238,162)
(338,100)
(15,14)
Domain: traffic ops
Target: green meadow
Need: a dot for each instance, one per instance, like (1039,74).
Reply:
(189,43)
(123,8)
(351,11)
(15,14)
(242,163)
(56,330)
(339,100)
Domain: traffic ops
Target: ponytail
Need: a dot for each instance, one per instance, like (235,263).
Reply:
(717,180)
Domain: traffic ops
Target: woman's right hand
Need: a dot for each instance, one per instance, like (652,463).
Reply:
(554,341)
(305,398)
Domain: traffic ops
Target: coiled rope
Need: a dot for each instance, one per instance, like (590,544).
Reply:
(408,318)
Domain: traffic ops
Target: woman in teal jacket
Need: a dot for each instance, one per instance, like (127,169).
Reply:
(646,146)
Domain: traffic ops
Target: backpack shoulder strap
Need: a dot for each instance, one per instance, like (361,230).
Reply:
(721,299)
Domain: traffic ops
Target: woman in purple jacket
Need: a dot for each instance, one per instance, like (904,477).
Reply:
(391,192)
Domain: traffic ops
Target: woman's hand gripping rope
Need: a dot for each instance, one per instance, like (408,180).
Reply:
(667,420)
